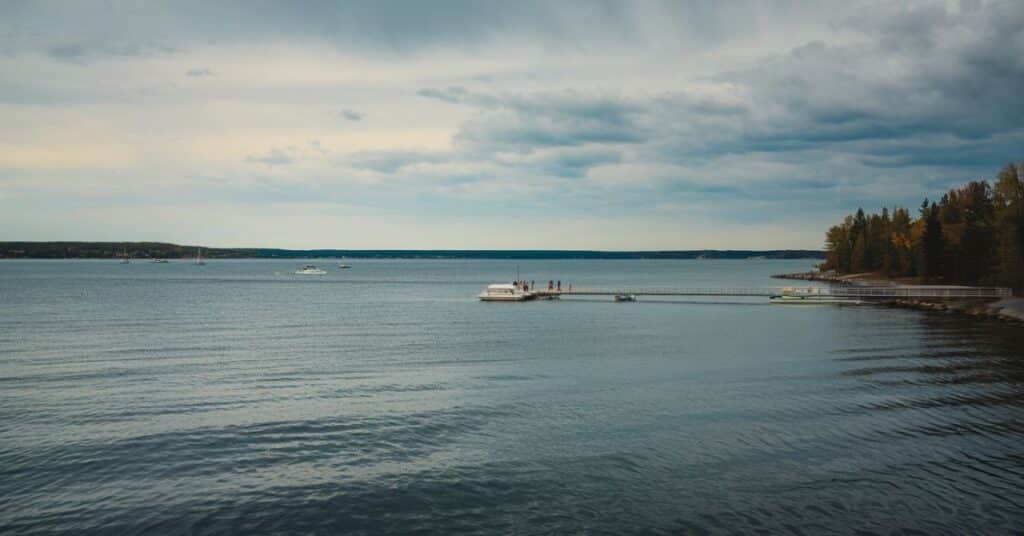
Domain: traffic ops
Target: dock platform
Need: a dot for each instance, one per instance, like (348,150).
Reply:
(878,293)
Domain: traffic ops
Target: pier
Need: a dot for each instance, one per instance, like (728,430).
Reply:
(879,293)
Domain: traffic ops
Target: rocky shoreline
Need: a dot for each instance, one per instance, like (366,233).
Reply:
(830,277)
(827,277)
(1007,309)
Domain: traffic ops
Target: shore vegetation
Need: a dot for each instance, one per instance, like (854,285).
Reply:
(973,235)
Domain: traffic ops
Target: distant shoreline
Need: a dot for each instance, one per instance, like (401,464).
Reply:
(144,250)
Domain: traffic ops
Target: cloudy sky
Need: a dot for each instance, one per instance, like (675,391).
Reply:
(506,125)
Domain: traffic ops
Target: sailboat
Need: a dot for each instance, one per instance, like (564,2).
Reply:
(199,257)
(124,256)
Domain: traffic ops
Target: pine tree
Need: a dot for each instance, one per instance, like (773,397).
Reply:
(932,242)
(973,235)
(1008,205)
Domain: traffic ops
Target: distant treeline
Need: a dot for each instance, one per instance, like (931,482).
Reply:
(108,250)
(973,235)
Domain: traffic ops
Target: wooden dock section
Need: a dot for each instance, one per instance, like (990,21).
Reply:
(879,293)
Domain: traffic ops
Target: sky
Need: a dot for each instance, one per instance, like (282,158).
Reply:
(466,124)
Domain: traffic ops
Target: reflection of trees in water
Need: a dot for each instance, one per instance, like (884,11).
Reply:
(946,361)
(935,411)
(995,349)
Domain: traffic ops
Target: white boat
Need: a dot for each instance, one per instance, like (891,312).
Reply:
(309,269)
(124,257)
(344,266)
(159,261)
(810,296)
(199,257)
(505,292)
(625,297)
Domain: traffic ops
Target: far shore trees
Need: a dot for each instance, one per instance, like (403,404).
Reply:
(973,235)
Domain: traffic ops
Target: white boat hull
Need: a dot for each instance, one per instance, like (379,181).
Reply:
(506,292)
(813,300)
(509,297)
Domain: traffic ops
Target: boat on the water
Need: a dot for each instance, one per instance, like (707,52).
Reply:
(505,292)
(199,257)
(309,269)
(625,297)
(344,266)
(810,296)
(124,256)
(159,261)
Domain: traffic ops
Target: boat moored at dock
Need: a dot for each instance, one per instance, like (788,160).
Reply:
(309,269)
(810,296)
(505,292)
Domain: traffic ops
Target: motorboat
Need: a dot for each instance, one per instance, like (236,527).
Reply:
(344,266)
(309,269)
(625,297)
(159,261)
(810,296)
(506,292)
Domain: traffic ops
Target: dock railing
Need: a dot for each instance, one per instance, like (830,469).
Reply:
(767,292)
(893,292)
(923,292)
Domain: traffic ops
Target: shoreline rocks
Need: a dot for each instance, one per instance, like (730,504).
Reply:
(1007,309)
(829,277)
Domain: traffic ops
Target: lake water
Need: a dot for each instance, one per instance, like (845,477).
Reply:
(240,398)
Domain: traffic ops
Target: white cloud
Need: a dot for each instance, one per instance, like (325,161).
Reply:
(504,114)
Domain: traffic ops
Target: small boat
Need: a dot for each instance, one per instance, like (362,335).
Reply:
(199,257)
(505,292)
(344,266)
(309,269)
(124,257)
(810,296)
(159,261)
(625,297)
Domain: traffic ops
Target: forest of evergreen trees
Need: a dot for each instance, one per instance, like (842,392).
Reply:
(973,235)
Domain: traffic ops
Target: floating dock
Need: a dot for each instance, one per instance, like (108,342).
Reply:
(865,293)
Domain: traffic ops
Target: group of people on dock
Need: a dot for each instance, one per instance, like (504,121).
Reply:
(530,286)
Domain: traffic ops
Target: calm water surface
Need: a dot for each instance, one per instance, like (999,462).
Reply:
(238,397)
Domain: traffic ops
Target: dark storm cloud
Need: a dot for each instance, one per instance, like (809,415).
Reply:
(544,119)
(81,31)
(273,157)
(84,51)
(392,161)
(924,72)
(351,115)
(951,79)
(568,163)
(453,95)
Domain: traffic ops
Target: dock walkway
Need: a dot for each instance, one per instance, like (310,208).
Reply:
(865,292)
